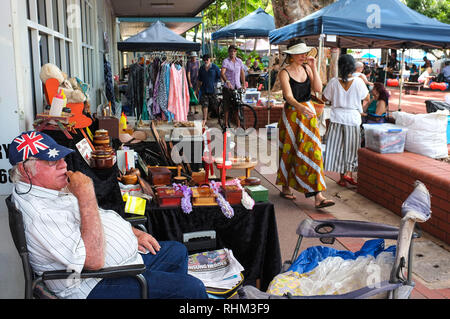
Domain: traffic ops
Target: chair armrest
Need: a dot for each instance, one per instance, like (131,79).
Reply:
(111,272)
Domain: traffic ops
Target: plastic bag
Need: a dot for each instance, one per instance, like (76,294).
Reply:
(192,98)
(335,275)
(427,133)
(323,270)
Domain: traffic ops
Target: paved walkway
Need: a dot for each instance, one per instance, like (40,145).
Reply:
(414,103)
(431,263)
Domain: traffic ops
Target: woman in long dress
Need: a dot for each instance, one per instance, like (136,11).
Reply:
(343,137)
(301,163)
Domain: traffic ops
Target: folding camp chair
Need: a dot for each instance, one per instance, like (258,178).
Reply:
(35,285)
(416,208)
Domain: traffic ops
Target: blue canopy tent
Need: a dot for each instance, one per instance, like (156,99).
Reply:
(367,24)
(257,24)
(157,38)
(388,24)
(369,56)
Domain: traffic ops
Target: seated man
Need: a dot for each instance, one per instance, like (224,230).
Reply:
(65,229)
(444,76)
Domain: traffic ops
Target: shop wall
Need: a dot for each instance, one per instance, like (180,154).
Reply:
(11,277)
(68,33)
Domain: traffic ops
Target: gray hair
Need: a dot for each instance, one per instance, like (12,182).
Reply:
(359,65)
(16,175)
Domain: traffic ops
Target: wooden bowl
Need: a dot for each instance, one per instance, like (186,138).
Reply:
(129,179)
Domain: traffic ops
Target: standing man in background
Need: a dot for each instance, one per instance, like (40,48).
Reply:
(233,76)
(208,76)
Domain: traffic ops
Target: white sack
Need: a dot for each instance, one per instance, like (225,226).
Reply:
(427,133)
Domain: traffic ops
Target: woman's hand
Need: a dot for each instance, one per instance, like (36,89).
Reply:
(306,111)
(312,62)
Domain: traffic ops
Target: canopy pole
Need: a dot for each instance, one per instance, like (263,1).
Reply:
(386,67)
(270,81)
(401,80)
(322,36)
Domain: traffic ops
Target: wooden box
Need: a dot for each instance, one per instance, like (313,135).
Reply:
(199,177)
(259,193)
(168,196)
(159,176)
(232,194)
(203,196)
(109,123)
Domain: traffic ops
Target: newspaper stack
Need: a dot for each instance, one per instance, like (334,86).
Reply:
(216,269)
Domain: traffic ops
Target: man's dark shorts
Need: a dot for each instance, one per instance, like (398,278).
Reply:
(208,100)
(227,100)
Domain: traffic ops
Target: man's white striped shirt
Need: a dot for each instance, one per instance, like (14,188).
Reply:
(53,233)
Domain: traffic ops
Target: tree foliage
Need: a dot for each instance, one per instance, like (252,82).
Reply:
(439,9)
(224,12)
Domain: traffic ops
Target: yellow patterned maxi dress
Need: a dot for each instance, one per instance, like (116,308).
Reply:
(301,162)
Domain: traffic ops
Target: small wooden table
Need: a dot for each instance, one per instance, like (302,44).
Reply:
(410,85)
(247,165)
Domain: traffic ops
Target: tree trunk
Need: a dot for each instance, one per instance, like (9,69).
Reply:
(288,11)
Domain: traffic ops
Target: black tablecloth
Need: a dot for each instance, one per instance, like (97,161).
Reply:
(251,235)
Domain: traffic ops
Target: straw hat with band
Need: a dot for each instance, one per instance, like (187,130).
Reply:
(299,48)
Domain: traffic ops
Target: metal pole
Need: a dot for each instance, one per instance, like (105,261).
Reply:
(270,88)
(385,67)
(401,80)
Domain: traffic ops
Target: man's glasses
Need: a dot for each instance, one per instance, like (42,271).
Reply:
(49,163)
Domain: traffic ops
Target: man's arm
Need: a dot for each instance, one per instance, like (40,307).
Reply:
(224,78)
(82,188)
(243,78)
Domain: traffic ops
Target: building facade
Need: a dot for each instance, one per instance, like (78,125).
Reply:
(75,35)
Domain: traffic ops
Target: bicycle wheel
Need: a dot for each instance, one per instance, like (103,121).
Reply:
(220,114)
(247,120)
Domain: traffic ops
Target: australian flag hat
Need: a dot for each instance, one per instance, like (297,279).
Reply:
(36,144)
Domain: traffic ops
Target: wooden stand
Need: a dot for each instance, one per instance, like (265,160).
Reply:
(47,122)
(247,165)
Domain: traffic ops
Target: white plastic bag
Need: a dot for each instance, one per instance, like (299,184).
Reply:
(427,133)
(334,275)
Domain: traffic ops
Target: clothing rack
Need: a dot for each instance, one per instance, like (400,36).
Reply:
(142,103)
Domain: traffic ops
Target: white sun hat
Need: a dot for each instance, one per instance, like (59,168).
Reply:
(299,48)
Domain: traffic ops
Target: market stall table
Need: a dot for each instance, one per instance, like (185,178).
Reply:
(251,235)
(410,85)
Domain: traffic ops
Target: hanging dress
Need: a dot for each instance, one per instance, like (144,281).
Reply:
(300,153)
(178,93)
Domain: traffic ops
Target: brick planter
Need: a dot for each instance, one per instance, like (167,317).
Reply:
(388,179)
(262,113)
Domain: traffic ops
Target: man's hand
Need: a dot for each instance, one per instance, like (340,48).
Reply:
(146,241)
(80,185)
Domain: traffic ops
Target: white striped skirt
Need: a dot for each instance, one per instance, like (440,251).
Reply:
(342,145)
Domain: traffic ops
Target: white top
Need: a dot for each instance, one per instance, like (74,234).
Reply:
(359,74)
(423,76)
(52,229)
(346,106)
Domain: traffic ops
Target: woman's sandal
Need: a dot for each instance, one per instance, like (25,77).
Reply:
(342,183)
(350,180)
(290,196)
(325,203)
